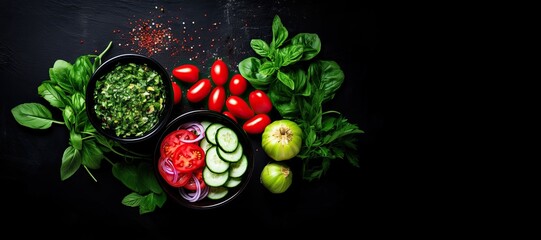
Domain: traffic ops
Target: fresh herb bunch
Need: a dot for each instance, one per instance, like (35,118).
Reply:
(298,85)
(66,91)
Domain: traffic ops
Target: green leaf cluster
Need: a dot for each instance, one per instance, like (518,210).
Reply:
(65,90)
(298,85)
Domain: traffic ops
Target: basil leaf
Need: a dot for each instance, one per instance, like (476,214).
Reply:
(260,47)
(290,54)
(132,200)
(71,161)
(33,115)
(286,80)
(91,154)
(59,74)
(78,102)
(279,33)
(267,69)
(332,78)
(311,44)
(148,177)
(69,117)
(76,140)
(129,175)
(53,95)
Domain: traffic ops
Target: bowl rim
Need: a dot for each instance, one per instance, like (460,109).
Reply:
(104,68)
(211,204)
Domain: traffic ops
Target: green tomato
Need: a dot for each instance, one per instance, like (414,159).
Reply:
(276,177)
(282,139)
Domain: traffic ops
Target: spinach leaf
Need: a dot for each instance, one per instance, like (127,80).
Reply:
(33,115)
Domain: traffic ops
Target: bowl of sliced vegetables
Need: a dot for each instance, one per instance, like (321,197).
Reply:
(203,159)
(129,98)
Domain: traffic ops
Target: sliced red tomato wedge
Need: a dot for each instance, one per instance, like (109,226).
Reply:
(190,185)
(188,157)
(170,175)
(173,140)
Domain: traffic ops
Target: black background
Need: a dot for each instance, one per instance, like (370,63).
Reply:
(35,34)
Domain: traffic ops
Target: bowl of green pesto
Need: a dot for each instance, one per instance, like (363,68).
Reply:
(129,98)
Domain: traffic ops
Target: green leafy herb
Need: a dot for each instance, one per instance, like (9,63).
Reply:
(65,90)
(298,84)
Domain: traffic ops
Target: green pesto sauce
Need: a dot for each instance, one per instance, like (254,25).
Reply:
(130,99)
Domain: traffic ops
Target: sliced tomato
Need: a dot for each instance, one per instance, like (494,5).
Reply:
(188,157)
(175,179)
(190,185)
(173,140)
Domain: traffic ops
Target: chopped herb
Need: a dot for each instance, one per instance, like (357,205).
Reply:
(130,99)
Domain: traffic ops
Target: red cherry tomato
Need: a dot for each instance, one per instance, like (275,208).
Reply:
(256,124)
(219,72)
(238,107)
(260,101)
(177,93)
(199,90)
(188,157)
(217,99)
(237,85)
(230,115)
(187,73)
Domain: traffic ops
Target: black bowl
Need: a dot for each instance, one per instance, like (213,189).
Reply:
(106,68)
(212,116)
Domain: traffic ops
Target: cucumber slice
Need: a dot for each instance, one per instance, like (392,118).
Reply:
(227,139)
(206,124)
(216,193)
(213,179)
(214,162)
(210,132)
(237,169)
(234,156)
(233,182)
(205,145)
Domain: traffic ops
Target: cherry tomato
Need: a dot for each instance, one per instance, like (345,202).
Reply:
(173,140)
(174,179)
(256,124)
(188,73)
(238,107)
(188,157)
(237,84)
(199,90)
(219,72)
(190,185)
(260,101)
(177,93)
(217,99)
(230,115)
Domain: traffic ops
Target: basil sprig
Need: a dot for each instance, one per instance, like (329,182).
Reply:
(298,84)
(65,90)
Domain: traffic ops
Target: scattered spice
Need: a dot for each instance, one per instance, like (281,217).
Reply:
(178,37)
